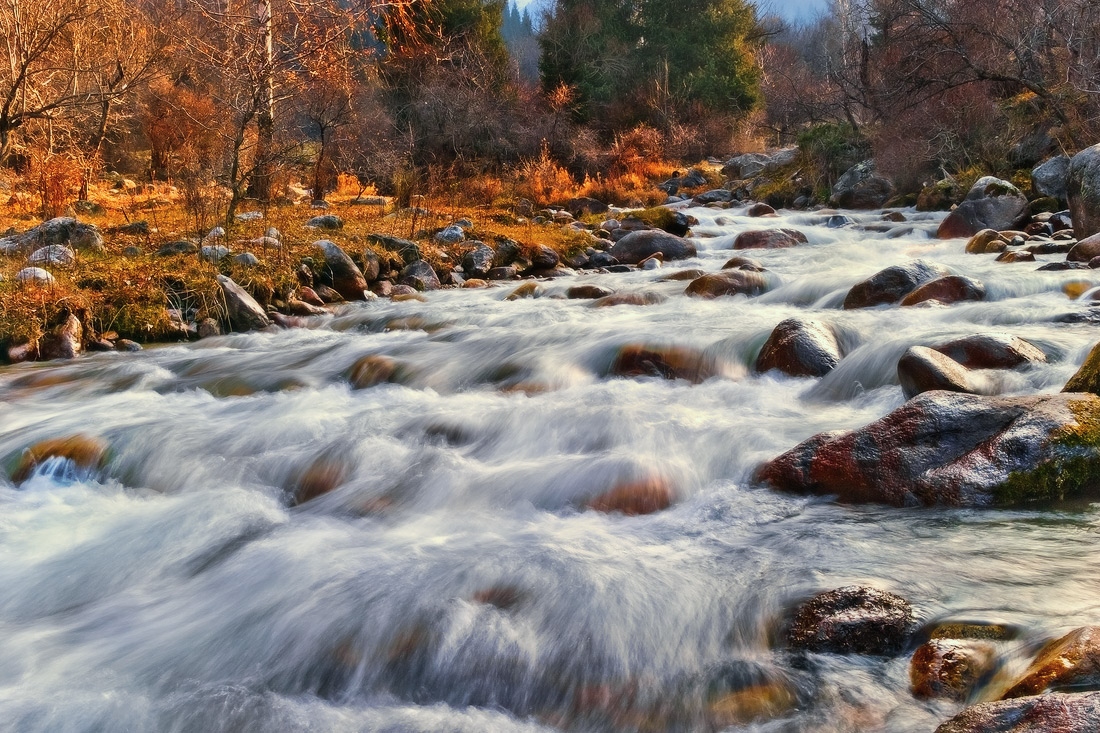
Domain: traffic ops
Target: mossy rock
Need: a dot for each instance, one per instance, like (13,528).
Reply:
(1087,378)
(1044,204)
(668,220)
(940,195)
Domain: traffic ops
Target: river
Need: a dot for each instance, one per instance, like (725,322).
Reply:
(454,580)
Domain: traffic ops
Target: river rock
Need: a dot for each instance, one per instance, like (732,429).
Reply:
(1016,256)
(502,273)
(669,362)
(244,313)
(861,188)
(635,498)
(714,196)
(63,341)
(1083,192)
(1039,714)
(1085,250)
(1067,663)
(800,348)
(628,299)
(769,239)
(335,265)
(327,294)
(987,241)
(921,369)
(637,246)
(295,307)
(85,452)
(78,235)
(991,204)
(761,210)
(585,206)
(740,263)
(1050,178)
(892,284)
(330,222)
(745,166)
(208,328)
(950,668)
(372,265)
(544,258)
(55,255)
(950,289)
(852,620)
(478,261)
(727,282)
(372,370)
(578,292)
(1087,378)
(950,449)
(992,351)
(406,249)
(527,290)
(420,275)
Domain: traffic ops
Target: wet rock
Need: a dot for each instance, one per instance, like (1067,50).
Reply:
(78,235)
(327,295)
(602,259)
(1087,378)
(769,239)
(852,620)
(588,292)
(406,249)
(1083,192)
(55,255)
(475,283)
(505,598)
(1050,248)
(684,275)
(628,299)
(478,261)
(1069,663)
(322,476)
(1039,714)
(1061,266)
(635,498)
(991,204)
(743,263)
(85,452)
(714,196)
(209,328)
(1010,257)
(740,698)
(1085,250)
(1050,178)
(373,370)
(892,284)
(544,258)
(921,369)
(800,348)
(861,188)
(527,290)
(991,351)
(669,362)
(181,247)
(728,282)
(64,341)
(950,669)
(950,449)
(502,273)
(127,345)
(334,265)
(244,313)
(296,307)
(950,289)
(35,275)
(99,345)
(330,222)
(987,241)
(419,275)
(839,221)
(760,210)
(636,246)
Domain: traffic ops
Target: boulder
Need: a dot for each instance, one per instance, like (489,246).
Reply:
(635,498)
(330,222)
(1087,378)
(334,266)
(53,255)
(761,210)
(85,452)
(372,370)
(636,246)
(991,351)
(800,348)
(861,188)
(852,620)
(1083,192)
(737,263)
(585,206)
(668,362)
(244,313)
(213,253)
(769,239)
(78,235)
(950,668)
(727,282)
(180,247)
(921,369)
(987,241)
(628,299)
(544,258)
(406,249)
(35,275)
(990,204)
(578,292)
(1072,662)
(950,289)
(892,284)
(1085,250)
(420,275)
(450,235)
(64,341)
(372,265)
(1051,177)
(502,273)
(1038,714)
(950,449)
(1016,256)
(745,166)
(246,259)
(478,261)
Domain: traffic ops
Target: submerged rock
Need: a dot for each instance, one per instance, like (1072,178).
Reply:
(728,282)
(852,620)
(635,498)
(949,449)
(950,668)
(669,362)
(1072,662)
(83,451)
(800,348)
(1038,714)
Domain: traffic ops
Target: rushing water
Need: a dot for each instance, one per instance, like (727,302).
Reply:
(175,589)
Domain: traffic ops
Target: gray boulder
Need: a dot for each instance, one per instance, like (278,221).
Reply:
(478,261)
(56,255)
(991,204)
(330,222)
(338,269)
(420,276)
(1083,192)
(637,246)
(78,235)
(1050,178)
(861,188)
(244,313)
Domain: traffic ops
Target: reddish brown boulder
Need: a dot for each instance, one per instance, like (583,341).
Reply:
(950,668)
(86,452)
(761,210)
(728,282)
(892,284)
(1070,662)
(1053,713)
(669,362)
(336,269)
(635,498)
(852,620)
(323,475)
(950,289)
(1016,256)
(743,263)
(628,299)
(950,449)
(371,370)
(800,348)
(987,241)
(588,292)
(769,239)
(991,351)
(1084,250)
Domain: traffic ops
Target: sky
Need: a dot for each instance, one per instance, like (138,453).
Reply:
(792,10)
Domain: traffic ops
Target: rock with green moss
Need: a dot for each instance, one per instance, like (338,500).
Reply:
(1087,378)
(992,203)
(1083,191)
(949,449)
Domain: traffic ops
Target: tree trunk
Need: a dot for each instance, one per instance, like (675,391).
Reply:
(261,184)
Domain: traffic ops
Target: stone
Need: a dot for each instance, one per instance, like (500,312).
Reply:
(544,258)
(242,310)
(761,210)
(506,252)
(295,307)
(588,292)
(250,216)
(330,222)
(55,255)
(64,341)
(1083,192)
(502,273)
(78,235)
(420,275)
(635,498)
(406,249)
(745,166)
(1017,256)
(372,370)
(1055,712)
(1050,178)
(1085,250)
(334,266)
(839,221)
(585,206)
(85,452)
(1071,662)
(327,294)
(450,235)
(246,259)
(741,263)
(991,204)
(861,188)
(527,290)
(131,251)
(637,246)
(800,348)
(35,275)
(128,346)
(208,328)
(950,669)
(950,289)
(372,266)
(213,253)
(921,369)
(950,449)
(180,247)
(769,239)
(892,284)
(992,351)
(478,261)
(602,259)
(475,283)
(728,282)
(628,299)
(714,196)
(854,619)
(987,241)
(668,362)
(323,475)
